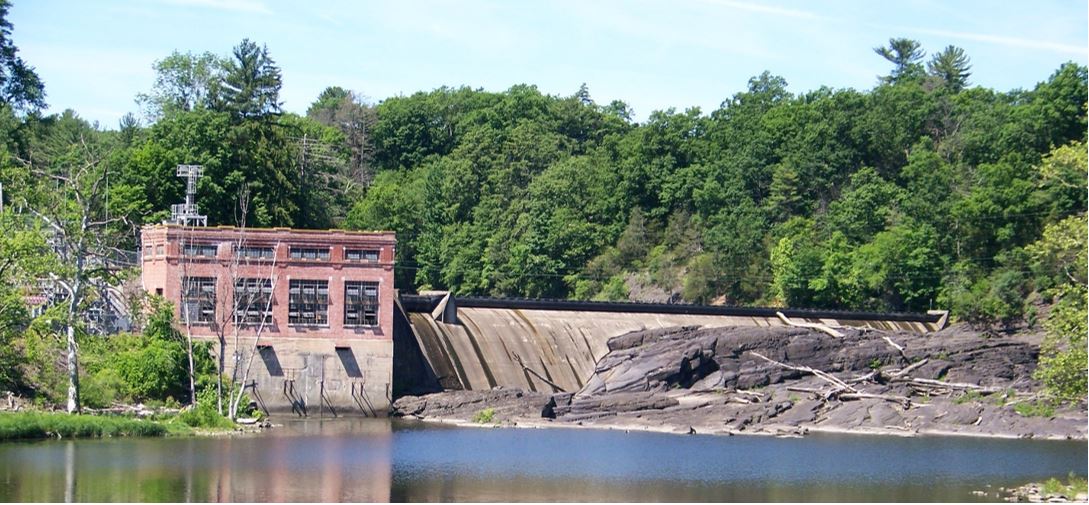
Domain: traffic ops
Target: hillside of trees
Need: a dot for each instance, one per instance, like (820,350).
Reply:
(922,192)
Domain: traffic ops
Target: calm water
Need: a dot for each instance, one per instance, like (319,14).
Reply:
(376,460)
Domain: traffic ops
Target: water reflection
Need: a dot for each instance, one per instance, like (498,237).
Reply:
(308,461)
(376,460)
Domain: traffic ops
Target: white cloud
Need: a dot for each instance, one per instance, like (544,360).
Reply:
(251,6)
(1005,41)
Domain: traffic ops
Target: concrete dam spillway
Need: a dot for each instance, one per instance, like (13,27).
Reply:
(442,342)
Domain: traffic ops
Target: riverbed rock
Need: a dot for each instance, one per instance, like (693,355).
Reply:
(506,403)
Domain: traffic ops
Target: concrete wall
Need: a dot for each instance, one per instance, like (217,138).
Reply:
(315,377)
(488,347)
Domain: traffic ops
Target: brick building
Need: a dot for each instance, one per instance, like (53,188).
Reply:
(317,304)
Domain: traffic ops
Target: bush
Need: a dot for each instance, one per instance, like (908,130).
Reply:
(204,414)
(1070,490)
(485,416)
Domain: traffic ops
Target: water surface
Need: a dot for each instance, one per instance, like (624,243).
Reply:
(379,460)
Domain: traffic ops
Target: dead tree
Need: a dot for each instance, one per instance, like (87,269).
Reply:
(71,200)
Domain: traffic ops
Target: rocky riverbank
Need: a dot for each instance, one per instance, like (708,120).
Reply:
(788,382)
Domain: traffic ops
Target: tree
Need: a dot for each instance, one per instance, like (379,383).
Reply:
(71,201)
(251,82)
(951,67)
(24,258)
(349,113)
(183,82)
(20,86)
(1061,254)
(905,54)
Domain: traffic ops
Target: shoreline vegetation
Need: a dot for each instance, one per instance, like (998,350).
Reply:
(41,425)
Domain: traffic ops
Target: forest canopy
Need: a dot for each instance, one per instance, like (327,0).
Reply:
(922,192)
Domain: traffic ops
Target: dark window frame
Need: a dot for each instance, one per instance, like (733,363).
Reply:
(308,302)
(256,252)
(361,302)
(200,250)
(199,297)
(362,255)
(309,253)
(256,300)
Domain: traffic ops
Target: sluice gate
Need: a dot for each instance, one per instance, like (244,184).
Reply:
(446,342)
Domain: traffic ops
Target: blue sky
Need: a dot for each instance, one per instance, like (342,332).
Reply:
(96,56)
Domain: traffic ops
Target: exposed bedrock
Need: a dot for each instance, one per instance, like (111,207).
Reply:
(687,379)
(720,358)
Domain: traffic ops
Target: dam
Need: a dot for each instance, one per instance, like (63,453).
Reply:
(311,323)
(444,342)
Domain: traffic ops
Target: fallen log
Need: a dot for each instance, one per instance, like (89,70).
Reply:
(896,346)
(816,326)
(953,385)
(555,386)
(825,376)
(909,368)
(902,400)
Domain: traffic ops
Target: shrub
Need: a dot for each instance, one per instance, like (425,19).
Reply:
(485,416)
(203,414)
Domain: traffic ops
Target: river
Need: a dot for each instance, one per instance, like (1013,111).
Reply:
(383,460)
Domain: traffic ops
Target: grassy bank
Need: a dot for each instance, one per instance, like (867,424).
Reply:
(36,425)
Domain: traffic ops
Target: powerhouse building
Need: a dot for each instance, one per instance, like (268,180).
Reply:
(309,313)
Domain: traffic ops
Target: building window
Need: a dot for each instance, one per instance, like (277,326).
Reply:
(198,299)
(253,301)
(360,303)
(310,253)
(202,250)
(361,254)
(308,302)
(259,253)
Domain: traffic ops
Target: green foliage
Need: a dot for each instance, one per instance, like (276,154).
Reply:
(204,413)
(1038,408)
(1071,489)
(20,86)
(905,55)
(31,425)
(951,67)
(251,82)
(1063,358)
(484,416)
(183,82)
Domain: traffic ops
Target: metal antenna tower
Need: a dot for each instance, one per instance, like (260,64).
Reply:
(188,212)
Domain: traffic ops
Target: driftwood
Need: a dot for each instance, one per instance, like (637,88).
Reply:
(902,400)
(816,326)
(825,376)
(555,386)
(952,385)
(909,368)
(840,389)
(888,375)
(896,346)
